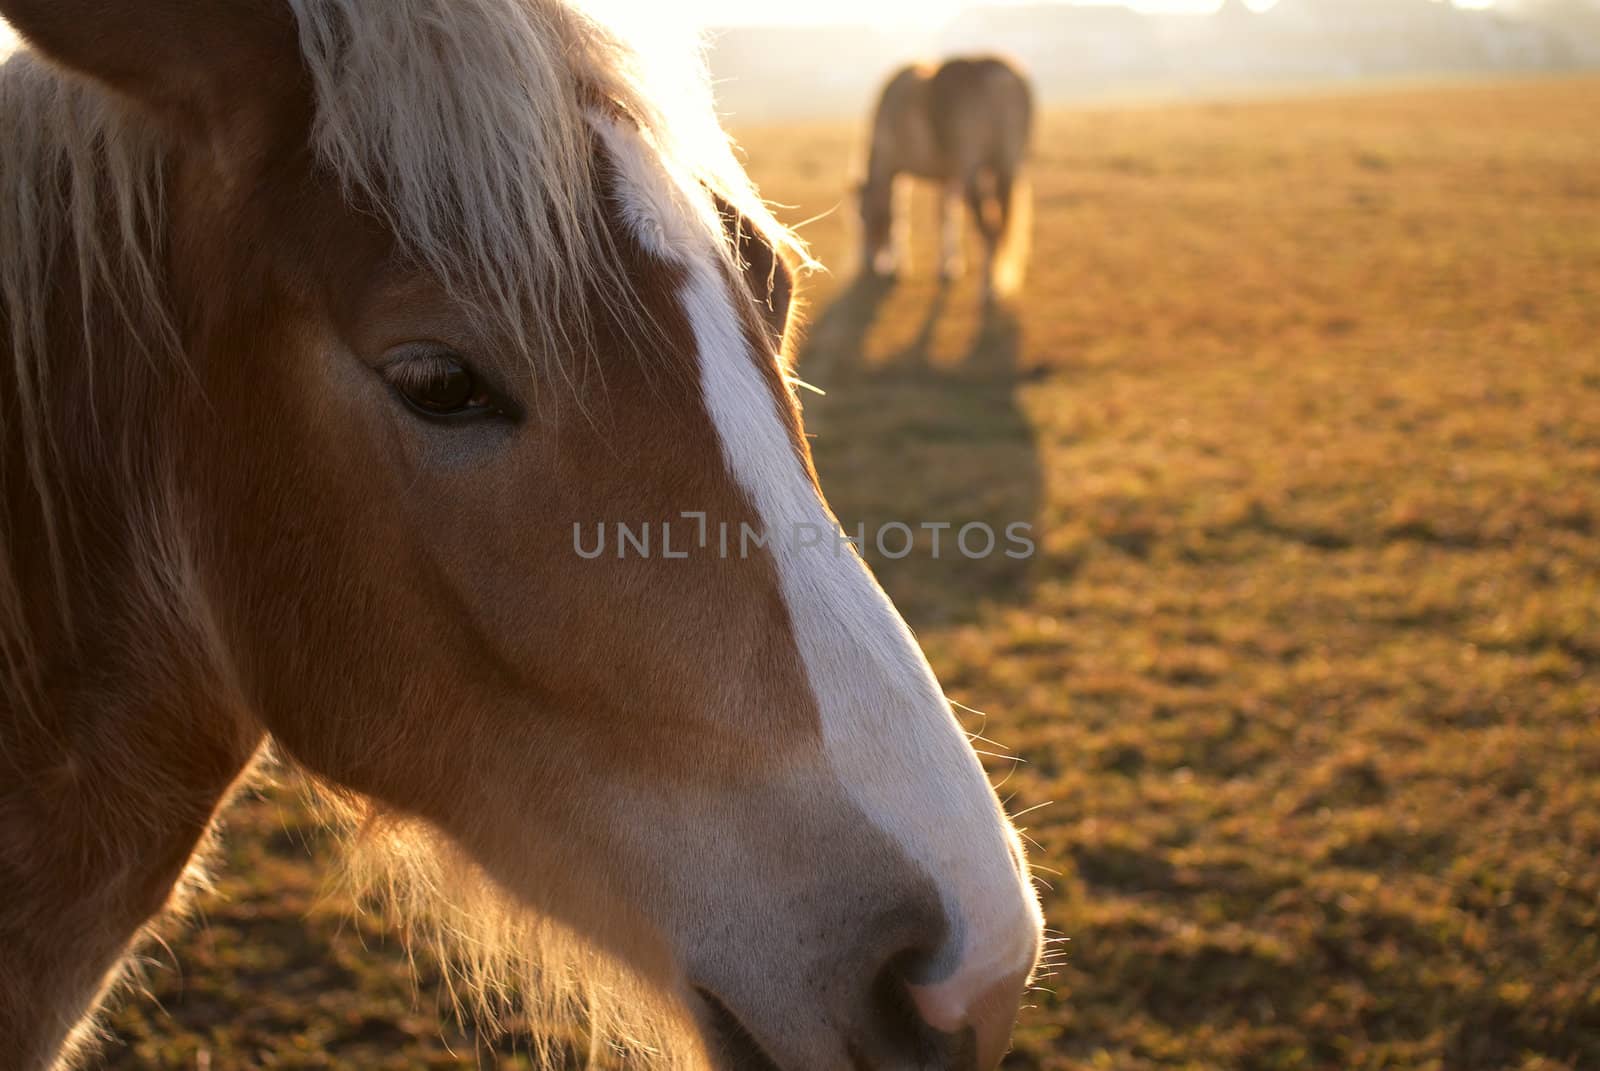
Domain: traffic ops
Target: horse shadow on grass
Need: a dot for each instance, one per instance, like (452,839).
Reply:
(916,431)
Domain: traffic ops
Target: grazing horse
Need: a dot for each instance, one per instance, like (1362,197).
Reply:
(329,325)
(964,124)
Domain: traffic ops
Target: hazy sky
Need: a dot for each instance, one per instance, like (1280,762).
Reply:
(925,12)
(735,12)
(920,12)
(917,12)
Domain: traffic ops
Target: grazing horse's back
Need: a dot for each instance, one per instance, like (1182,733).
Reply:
(981,112)
(965,124)
(902,126)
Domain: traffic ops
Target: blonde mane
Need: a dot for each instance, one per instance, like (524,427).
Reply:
(468,125)
(465,125)
(81,177)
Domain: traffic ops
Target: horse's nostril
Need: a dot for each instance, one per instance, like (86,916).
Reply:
(977,1008)
(900,1033)
(892,1005)
(915,945)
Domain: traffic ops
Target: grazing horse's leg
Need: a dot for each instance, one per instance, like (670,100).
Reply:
(950,262)
(1004,186)
(987,227)
(900,233)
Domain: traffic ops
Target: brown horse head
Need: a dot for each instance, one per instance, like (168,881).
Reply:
(340,333)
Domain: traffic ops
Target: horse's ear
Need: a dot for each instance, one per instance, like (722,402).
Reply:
(767,271)
(217,68)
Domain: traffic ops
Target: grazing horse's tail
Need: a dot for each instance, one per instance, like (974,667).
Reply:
(1016,234)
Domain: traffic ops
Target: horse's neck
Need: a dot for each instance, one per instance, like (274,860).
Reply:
(903,139)
(118,740)
(109,788)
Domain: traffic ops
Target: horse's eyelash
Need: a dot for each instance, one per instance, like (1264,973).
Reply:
(414,370)
(417,371)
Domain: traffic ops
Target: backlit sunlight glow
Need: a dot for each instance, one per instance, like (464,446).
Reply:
(919,13)
(916,13)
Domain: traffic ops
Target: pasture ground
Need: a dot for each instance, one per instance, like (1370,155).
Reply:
(1303,401)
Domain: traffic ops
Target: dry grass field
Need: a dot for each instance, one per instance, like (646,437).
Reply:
(1303,402)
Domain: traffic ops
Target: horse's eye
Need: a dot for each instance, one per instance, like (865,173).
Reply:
(437,384)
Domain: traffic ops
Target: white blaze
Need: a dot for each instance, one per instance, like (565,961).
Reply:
(892,742)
